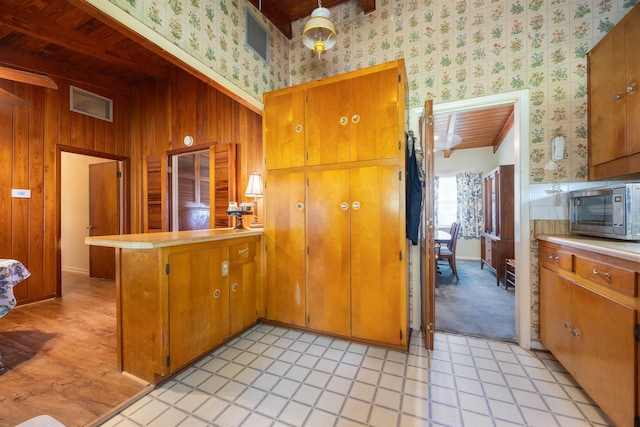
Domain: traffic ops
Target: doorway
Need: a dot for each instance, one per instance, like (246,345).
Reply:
(520,99)
(75,220)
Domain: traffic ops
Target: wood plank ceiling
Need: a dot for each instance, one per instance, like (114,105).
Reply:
(485,127)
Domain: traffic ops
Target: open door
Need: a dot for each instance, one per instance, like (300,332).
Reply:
(427,245)
(104,216)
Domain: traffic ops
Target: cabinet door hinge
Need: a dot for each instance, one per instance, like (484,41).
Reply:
(400,176)
(400,255)
(168,361)
(119,174)
(636,422)
(167,269)
(400,334)
(430,328)
(636,332)
(399,78)
(399,145)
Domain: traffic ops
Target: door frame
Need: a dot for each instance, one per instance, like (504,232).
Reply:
(520,99)
(124,198)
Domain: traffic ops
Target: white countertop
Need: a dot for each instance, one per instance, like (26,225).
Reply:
(171,238)
(617,248)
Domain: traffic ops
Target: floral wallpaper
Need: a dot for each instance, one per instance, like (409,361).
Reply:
(459,49)
(453,49)
(213,32)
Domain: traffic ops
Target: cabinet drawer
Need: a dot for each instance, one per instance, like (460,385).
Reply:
(243,251)
(617,278)
(556,259)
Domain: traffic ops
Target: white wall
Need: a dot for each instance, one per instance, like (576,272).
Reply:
(74,210)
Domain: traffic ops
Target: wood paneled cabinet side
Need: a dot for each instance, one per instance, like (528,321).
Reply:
(589,328)
(242,286)
(614,101)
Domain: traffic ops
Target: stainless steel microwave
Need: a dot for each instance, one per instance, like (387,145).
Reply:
(612,212)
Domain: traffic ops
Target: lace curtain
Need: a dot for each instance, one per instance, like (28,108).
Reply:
(470,207)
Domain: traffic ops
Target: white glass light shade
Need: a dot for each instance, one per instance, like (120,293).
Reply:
(319,32)
(254,187)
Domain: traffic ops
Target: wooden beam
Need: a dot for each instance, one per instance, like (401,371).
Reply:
(45,30)
(27,77)
(503,133)
(13,58)
(273,14)
(12,99)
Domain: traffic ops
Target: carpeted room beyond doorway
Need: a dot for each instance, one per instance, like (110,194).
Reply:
(474,305)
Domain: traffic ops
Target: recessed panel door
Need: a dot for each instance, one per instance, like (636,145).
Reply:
(328,239)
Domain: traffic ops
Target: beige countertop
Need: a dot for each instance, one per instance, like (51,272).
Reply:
(171,238)
(617,248)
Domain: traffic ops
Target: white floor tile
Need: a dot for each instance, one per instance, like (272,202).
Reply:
(273,376)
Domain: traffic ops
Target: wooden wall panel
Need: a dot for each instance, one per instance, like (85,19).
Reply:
(151,120)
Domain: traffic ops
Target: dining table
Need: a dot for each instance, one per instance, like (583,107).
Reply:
(441,237)
(12,272)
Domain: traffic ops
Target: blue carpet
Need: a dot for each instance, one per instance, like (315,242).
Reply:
(474,305)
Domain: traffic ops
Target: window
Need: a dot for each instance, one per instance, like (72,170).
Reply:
(447,201)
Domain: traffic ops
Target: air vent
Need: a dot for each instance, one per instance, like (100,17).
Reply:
(90,104)
(257,37)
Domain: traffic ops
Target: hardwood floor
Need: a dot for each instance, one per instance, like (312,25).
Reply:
(60,357)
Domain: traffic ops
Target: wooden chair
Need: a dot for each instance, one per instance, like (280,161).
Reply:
(448,253)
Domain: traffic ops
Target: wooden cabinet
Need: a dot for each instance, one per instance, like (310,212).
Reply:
(587,320)
(352,119)
(614,101)
(242,286)
(497,242)
(176,303)
(286,250)
(335,225)
(283,129)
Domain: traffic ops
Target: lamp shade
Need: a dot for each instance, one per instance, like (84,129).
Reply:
(254,187)
(319,32)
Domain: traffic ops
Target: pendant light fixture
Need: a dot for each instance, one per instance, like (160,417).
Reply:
(319,32)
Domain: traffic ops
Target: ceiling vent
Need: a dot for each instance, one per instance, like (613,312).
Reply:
(90,104)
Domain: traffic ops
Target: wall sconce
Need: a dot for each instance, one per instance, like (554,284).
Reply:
(254,189)
(319,32)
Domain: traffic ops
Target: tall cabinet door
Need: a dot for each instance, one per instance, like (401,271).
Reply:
(373,109)
(285,236)
(284,129)
(328,121)
(328,234)
(378,281)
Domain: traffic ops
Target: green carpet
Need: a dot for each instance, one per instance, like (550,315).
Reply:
(474,306)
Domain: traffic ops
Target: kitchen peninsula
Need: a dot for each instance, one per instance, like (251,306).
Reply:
(181,294)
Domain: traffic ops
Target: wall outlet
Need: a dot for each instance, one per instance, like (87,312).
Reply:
(225,268)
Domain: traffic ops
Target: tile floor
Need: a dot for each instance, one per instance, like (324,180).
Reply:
(271,376)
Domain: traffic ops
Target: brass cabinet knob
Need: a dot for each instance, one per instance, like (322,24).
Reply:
(344,206)
(343,121)
(298,128)
(234,287)
(356,205)
(217,293)
(299,206)
(631,88)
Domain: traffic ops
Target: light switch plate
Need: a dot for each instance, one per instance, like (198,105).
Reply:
(20,193)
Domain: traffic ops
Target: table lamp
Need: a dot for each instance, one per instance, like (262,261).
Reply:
(254,189)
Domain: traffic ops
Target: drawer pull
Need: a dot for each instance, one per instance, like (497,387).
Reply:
(234,287)
(567,325)
(243,251)
(598,273)
(554,258)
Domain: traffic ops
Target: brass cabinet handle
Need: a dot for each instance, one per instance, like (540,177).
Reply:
(355,118)
(217,293)
(344,206)
(576,333)
(356,206)
(243,251)
(617,96)
(567,325)
(598,273)
(298,128)
(631,88)
(299,206)
(234,287)
(343,121)
(554,258)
